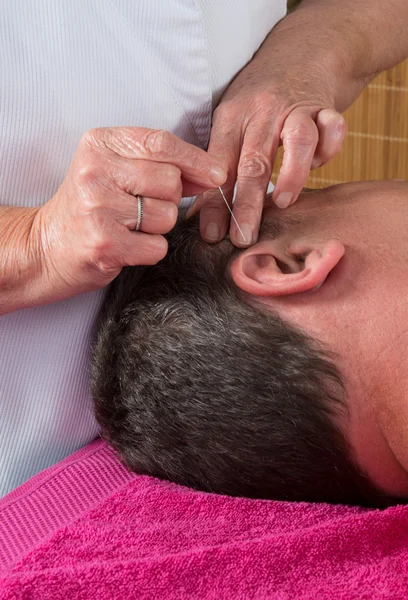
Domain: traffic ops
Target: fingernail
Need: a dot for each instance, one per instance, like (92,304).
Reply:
(217,175)
(212,232)
(247,233)
(284,199)
(316,163)
(190,212)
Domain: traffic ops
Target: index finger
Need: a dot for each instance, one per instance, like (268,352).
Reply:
(160,145)
(299,136)
(214,214)
(254,173)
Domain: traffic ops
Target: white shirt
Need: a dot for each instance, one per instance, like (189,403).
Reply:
(66,67)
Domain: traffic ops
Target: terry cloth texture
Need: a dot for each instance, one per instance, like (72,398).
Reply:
(138,537)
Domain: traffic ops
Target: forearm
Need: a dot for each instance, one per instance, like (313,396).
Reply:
(352,40)
(20,272)
(379,30)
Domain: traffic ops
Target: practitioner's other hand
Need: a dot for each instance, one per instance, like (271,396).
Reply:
(86,233)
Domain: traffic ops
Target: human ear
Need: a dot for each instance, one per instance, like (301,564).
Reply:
(269,269)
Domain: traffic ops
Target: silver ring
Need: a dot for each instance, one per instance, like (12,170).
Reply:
(139,213)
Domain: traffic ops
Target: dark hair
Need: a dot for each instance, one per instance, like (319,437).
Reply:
(192,384)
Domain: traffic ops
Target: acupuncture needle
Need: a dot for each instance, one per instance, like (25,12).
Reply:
(232,214)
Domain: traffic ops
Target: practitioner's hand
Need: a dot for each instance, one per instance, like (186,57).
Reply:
(279,98)
(85,233)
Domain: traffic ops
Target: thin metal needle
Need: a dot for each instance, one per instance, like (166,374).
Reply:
(232,214)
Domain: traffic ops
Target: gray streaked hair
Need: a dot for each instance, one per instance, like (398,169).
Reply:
(193,385)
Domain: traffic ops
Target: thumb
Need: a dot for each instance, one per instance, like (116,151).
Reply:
(332,129)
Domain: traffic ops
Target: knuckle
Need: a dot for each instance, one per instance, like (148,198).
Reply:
(301,134)
(159,143)
(264,101)
(92,137)
(88,173)
(119,140)
(224,123)
(215,210)
(98,248)
(121,179)
(223,111)
(90,204)
(87,138)
(248,209)
(89,192)
(253,166)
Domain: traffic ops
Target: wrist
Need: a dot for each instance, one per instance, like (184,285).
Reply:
(20,259)
(322,51)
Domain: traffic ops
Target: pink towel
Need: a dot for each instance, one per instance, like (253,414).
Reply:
(88,529)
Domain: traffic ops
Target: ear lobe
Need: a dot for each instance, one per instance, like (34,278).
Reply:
(263,270)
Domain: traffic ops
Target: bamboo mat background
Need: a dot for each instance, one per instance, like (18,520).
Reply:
(376,146)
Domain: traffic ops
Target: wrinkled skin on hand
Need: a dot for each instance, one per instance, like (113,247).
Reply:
(84,235)
(273,101)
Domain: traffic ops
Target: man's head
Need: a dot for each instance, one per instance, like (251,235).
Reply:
(265,372)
